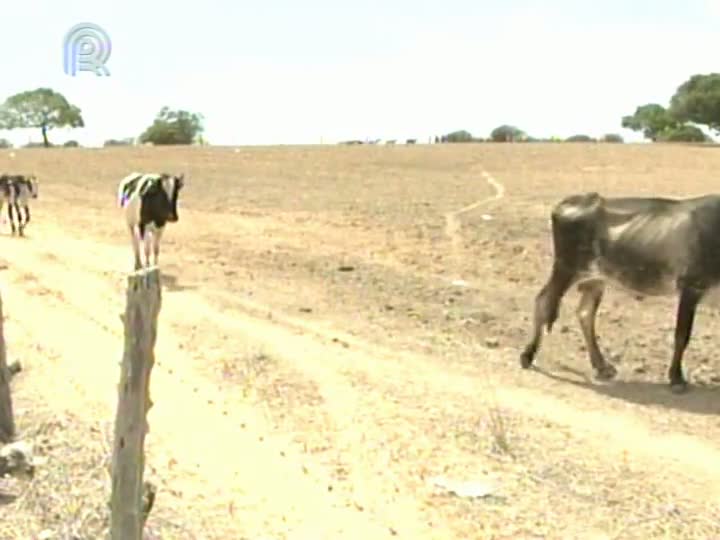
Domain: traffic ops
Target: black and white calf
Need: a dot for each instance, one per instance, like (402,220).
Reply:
(16,190)
(651,246)
(150,201)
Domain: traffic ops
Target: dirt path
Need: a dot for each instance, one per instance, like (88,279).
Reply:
(376,424)
(453,223)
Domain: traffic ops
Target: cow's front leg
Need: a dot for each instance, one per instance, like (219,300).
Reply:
(148,246)
(10,218)
(22,222)
(156,243)
(134,235)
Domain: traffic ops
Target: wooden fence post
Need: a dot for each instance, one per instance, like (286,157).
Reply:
(7,418)
(140,320)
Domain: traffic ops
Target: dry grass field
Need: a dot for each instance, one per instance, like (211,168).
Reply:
(318,368)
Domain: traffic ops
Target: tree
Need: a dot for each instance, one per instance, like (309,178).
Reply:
(4,143)
(684,133)
(651,119)
(506,133)
(697,100)
(612,138)
(579,138)
(42,108)
(173,127)
(458,136)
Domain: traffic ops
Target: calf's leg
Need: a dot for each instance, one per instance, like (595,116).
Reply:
(591,296)
(547,306)
(10,217)
(149,236)
(689,300)
(22,222)
(134,235)
(156,243)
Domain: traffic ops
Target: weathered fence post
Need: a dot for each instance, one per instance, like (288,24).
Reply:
(140,320)
(7,418)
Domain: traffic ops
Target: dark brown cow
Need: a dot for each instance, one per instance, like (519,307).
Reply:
(652,246)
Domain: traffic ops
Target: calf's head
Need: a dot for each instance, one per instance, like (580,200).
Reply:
(172,186)
(32,183)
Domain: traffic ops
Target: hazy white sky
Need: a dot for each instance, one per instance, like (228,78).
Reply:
(297,71)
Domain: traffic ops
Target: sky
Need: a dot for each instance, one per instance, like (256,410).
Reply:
(311,71)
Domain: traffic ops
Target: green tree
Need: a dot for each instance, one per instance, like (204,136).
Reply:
(697,100)
(458,136)
(41,108)
(580,138)
(652,119)
(612,138)
(684,133)
(506,133)
(173,127)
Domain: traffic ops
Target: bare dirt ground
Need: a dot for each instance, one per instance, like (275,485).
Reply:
(319,363)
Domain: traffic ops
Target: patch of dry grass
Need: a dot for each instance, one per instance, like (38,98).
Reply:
(289,400)
(68,497)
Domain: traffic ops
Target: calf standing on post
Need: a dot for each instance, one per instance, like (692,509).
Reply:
(652,246)
(150,201)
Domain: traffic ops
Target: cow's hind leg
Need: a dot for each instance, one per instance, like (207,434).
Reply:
(547,307)
(591,296)
(689,300)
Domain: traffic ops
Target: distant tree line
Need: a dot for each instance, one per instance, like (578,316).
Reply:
(508,133)
(45,109)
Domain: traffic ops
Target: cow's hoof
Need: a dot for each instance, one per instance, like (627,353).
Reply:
(679,387)
(606,372)
(526,360)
